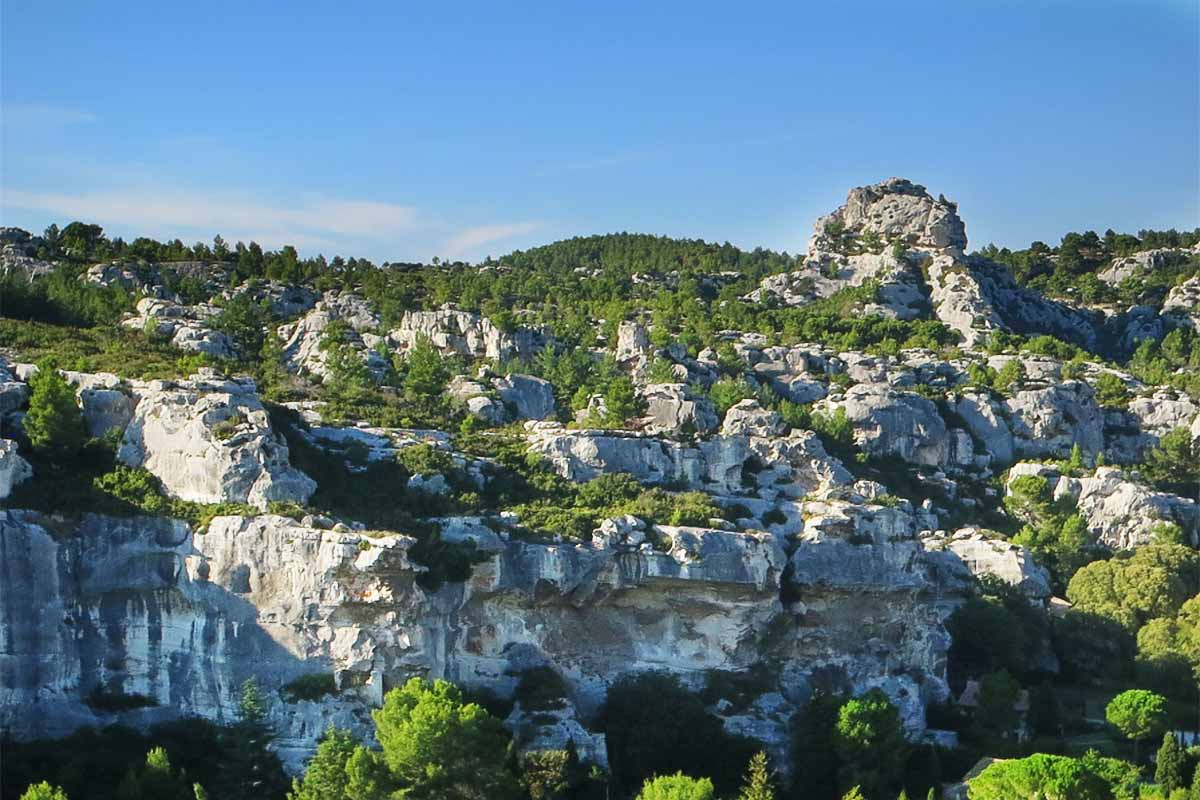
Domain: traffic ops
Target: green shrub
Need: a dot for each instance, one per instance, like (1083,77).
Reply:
(312,686)
(54,422)
(540,689)
(1111,391)
(103,698)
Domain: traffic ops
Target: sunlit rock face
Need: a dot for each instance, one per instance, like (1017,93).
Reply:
(209,440)
(145,607)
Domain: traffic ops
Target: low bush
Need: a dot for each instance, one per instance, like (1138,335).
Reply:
(313,686)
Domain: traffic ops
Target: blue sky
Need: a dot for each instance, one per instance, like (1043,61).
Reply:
(401,131)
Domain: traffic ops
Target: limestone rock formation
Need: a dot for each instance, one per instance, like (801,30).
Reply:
(186,327)
(13,468)
(527,396)
(1049,422)
(209,440)
(303,339)
(891,423)
(748,418)
(672,409)
(463,333)
(983,555)
(141,606)
(1120,512)
(1139,264)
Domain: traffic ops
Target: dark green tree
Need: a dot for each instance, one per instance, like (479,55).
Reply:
(325,776)
(814,759)
(155,781)
(655,726)
(53,423)
(43,791)
(870,742)
(620,401)
(1171,771)
(1138,715)
(757,784)
(439,747)
(677,787)
(251,771)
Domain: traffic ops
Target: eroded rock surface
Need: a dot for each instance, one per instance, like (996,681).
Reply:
(209,440)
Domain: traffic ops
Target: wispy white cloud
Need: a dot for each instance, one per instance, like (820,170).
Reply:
(467,241)
(35,116)
(315,222)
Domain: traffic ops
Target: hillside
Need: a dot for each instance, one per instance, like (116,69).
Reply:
(656,504)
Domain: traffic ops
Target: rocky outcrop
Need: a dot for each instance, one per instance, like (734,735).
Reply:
(1140,264)
(1049,422)
(992,556)
(767,467)
(13,468)
(18,255)
(868,239)
(977,298)
(528,397)
(463,333)
(304,350)
(891,423)
(1120,512)
(1184,298)
(672,409)
(286,300)
(141,606)
(209,440)
(1123,514)
(186,327)
(896,210)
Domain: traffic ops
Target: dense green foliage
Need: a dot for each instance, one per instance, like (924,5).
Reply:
(53,422)
(656,727)
(1069,270)
(438,747)
(677,787)
(1050,777)
(1137,714)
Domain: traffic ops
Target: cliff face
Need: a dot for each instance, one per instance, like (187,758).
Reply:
(125,607)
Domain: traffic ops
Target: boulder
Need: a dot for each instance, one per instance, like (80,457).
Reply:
(892,423)
(527,396)
(302,340)
(209,440)
(1049,422)
(982,555)
(748,418)
(187,327)
(463,333)
(672,409)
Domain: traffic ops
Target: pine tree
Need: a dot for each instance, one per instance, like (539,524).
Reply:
(250,771)
(1194,794)
(44,791)
(758,784)
(1172,764)
(854,794)
(54,422)
(325,776)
